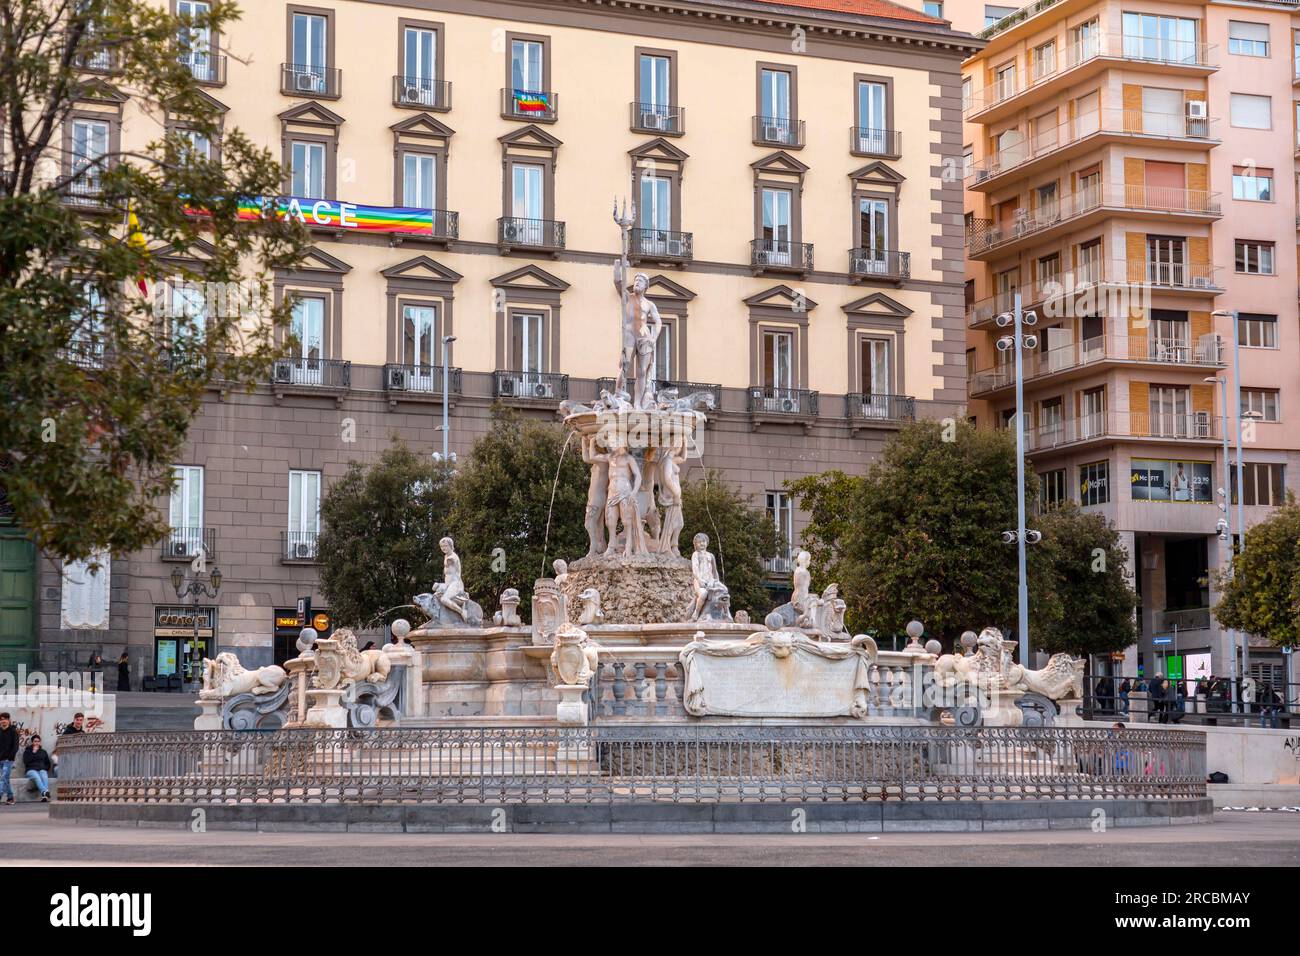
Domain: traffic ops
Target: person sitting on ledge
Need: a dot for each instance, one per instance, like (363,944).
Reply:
(36,764)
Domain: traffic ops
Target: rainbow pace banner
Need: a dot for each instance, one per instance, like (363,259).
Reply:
(336,214)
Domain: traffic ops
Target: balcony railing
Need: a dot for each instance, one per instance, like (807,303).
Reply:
(781,255)
(778,565)
(298,547)
(536,233)
(535,105)
(865,141)
(985,236)
(96,61)
(185,544)
(774,400)
(1184,619)
(85,190)
(657,118)
(302,79)
(530,386)
(312,373)
(207,68)
(1172,53)
(879,264)
(1105,122)
(422,92)
(661,244)
(880,407)
(778,131)
(1108,425)
(421,379)
(1149,349)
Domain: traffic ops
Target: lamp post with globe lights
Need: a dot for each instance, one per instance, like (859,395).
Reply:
(194,589)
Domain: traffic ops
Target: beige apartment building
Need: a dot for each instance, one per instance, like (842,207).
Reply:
(1127,175)
(457,162)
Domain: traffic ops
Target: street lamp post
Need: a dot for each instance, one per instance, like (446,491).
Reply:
(1224,523)
(446,394)
(1018,342)
(195,589)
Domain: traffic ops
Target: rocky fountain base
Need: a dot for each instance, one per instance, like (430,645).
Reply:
(634,589)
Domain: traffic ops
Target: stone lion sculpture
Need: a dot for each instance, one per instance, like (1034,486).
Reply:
(226,677)
(591,612)
(1061,679)
(357,665)
(991,666)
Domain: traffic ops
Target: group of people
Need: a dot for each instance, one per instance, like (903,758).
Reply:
(1168,698)
(37,762)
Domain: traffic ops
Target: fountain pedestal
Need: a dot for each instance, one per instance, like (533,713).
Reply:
(634,589)
(326,708)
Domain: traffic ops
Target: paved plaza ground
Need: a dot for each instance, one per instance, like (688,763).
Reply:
(29,838)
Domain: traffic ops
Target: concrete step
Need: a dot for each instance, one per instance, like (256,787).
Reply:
(156,718)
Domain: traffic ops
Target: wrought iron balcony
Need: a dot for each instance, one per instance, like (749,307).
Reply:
(865,141)
(301,79)
(530,386)
(779,565)
(422,92)
(888,264)
(312,373)
(186,544)
(781,255)
(779,131)
(1195,426)
(96,61)
(657,118)
(298,547)
(86,189)
(661,245)
(778,401)
(421,380)
(533,233)
(873,406)
(535,106)
(208,68)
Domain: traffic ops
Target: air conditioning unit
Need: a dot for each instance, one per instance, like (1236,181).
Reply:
(776,134)
(762,256)
(1196,109)
(412,94)
(282,373)
(981,175)
(676,247)
(302,550)
(789,405)
(1200,282)
(653,121)
(543,390)
(306,82)
(180,549)
(512,232)
(395,379)
(506,387)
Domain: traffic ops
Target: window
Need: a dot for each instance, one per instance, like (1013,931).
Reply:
(655,94)
(420,180)
(777,121)
(970,365)
(526,342)
(1094,483)
(89,147)
(873,367)
(194,145)
(993,14)
(527,65)
(1265,483)
(1092,412)
(307,328)
(778,360)
(664,354)
(933,8)
(304,514)
(1085,42)
(1257,331)
(1247,39)
(195,42)
(527,77)
(1044,61)
(1178,481)
(186,512)
(1169,407)
(1254,258)
(873,135)
(421,80)
(1166,260)
(307,172)
(86,344)
(965,93)
(420,346)
(781,510)
(1252,183)
(1249,111)
(1004,80)
(1163,39)
(1261,402)
(309,52)
(777,225)
(1052,491)
(189,313)
(873,231)
(967,161)
(527,196)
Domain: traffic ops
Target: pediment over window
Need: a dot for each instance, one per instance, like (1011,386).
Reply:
(318,260)
(878,304)
(662,287)
(530,137)
(421,268)
(782,297)
(311,113)
(423,125)
(99,91)
(659,150)
(195,255)
(780,162)
(530,277)
(877,173)
(213,104)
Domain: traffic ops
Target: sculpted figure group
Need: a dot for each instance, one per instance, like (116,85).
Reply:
(625,494)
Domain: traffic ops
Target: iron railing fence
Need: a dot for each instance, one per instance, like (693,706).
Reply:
(1190,701)
(586,765)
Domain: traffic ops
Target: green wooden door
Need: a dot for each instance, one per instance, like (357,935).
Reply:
(18,644)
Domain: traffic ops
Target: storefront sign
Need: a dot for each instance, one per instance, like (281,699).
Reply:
(335,214)
(179,621)
(1171,480)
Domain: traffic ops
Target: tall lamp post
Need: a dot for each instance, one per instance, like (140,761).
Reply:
(195,589)
(446,395)
(1018,342)
(1224,524)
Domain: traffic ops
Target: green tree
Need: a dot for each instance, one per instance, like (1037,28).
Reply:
(507,492)
(101,376)
(1262,593)
(380,526)
(740,536)
(1091,601)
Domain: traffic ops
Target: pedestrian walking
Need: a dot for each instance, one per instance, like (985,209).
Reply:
(1125,688)
(123,673)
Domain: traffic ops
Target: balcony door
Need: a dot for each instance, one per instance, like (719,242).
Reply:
(310,56)
(873,223)
(307,325)
(307,176)
(528,194)
(778,233)
(656,91)
(420,344)
(420,52)
(89,145)
(664,355)
(873,370)
(526,346)
(304,513)
(1166,186)
(872,121)
(419,180)
(656,212)
(186,512)
(1166,260)
(1169,336)
(778,362)
(196,41)
(1162,112)
(526,66)
(1092,413)
(1050,423)
(1170,410)
(1148,36)
(774,99)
